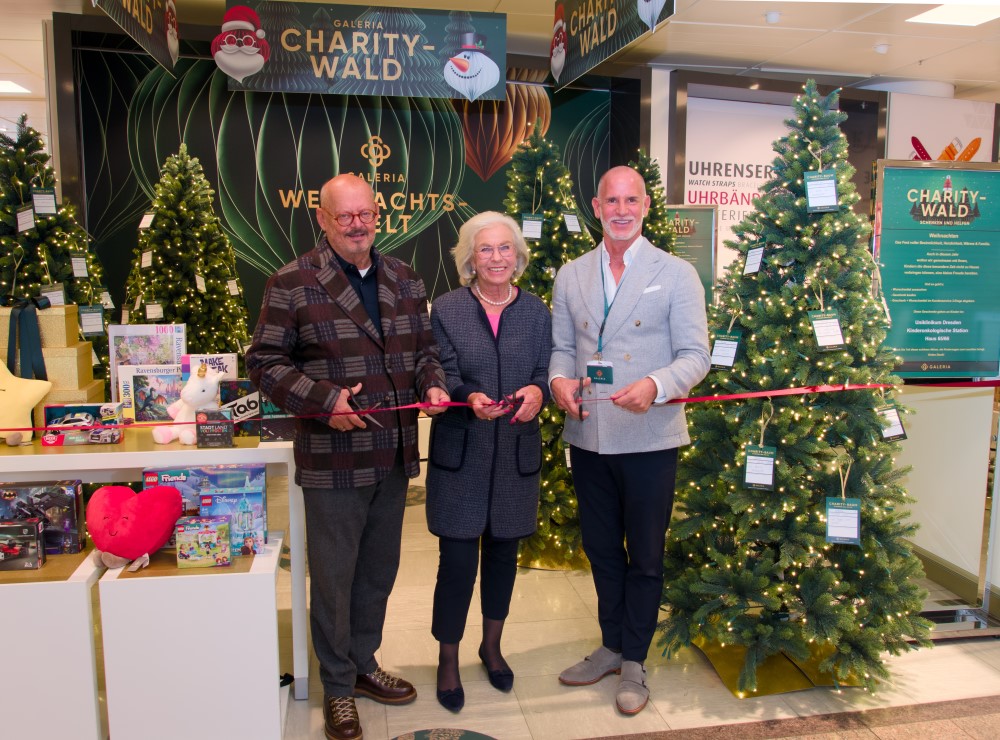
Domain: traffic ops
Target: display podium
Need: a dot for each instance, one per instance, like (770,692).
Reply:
(125,462)
(193,652)
(48,668)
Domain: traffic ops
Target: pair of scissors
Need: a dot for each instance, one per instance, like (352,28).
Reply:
(359,407)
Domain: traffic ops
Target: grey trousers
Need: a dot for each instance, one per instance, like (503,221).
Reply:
(353,541)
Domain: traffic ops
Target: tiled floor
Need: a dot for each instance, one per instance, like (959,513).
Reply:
(553,624)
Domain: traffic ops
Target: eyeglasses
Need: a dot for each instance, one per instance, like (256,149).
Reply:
(346,219)
(504,250)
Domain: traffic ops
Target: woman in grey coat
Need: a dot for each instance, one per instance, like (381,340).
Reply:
(483,472)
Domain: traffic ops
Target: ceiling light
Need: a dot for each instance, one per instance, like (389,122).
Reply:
(958,15)
(772,16)
(6,86)
(882,48)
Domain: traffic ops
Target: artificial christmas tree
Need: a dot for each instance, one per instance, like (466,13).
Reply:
(46,246)
(539,186)
(657,227)
(750,564)
(184,268)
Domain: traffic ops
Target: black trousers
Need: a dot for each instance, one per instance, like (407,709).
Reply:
(625,503)
(456,577)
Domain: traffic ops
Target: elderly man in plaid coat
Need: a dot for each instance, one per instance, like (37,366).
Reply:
(344,328)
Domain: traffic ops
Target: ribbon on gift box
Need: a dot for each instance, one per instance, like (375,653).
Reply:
(23,332)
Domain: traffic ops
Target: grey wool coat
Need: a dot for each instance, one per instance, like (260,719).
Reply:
(487,472)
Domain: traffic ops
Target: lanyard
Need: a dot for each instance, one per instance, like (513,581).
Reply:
(607,308)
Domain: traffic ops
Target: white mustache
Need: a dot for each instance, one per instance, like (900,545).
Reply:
(239,49)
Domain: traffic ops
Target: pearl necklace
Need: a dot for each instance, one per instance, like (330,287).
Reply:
(510,292)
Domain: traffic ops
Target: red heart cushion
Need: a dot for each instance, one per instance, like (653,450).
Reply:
(129,524)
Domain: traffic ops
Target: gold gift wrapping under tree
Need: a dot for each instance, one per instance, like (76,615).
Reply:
(57,325)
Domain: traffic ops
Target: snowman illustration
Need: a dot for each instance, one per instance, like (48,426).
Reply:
(471,71)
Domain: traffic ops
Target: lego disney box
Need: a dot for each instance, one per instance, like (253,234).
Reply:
(247,512)
(193,482)
(59,504)
(82,424)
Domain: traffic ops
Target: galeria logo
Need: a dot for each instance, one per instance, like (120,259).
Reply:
(376,151)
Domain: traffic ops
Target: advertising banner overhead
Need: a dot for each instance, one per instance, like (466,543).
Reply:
(359,50)
(937,242)
(151,23)
(586,33)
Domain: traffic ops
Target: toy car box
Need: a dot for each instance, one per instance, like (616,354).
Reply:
(59,504)
(193,482)
(247,512)
(82,424)
(202,541)
(21,544)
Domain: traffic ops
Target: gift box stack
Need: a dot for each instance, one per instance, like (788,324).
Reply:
(68,361)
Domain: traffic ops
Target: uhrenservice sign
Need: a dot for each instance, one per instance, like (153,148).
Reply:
(938,245)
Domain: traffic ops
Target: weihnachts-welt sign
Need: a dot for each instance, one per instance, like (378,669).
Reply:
(359,50)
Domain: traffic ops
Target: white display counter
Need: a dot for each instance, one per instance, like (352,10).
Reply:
(48,669)
(193,652)
(125,461)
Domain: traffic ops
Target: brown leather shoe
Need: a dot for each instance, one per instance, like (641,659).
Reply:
(385,689)
(341,715)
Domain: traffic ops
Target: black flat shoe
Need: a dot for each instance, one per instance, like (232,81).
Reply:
(452,699)
(502,680)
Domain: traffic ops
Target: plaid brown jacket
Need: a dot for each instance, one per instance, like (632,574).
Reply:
(314,337)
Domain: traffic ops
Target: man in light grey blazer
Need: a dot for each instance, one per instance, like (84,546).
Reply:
(629,333)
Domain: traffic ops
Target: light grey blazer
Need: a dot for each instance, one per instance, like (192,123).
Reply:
(656,326)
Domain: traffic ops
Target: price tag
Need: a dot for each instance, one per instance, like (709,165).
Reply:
(199,283)
(572,221)
(94,359)
(843,520)
(124,315)
(92,320)
(569,463)
(44,201)
(759,469)
(25,219)
(79,262)
(531,226)
(821,192)
(234,287)
(754,257)
(55,293)
(138,301)
(154,311)
(147,220)
(146,260)
(724,349)
(893,429)
(106,300)
(826,327)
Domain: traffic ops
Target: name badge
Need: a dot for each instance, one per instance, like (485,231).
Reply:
(602,376)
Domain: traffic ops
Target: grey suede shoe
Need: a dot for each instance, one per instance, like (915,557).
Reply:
(632,692)
(593,668)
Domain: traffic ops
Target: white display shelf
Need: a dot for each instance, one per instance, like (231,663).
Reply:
(193,652)
(48,669)
(125,461)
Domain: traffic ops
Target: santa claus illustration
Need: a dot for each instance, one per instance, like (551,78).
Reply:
(170,29)
(649,11)
(240,49)
(471,71)
(557,51)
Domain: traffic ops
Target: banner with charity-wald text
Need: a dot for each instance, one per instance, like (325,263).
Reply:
(360,50)
(937,243)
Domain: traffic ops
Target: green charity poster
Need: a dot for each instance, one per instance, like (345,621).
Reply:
(938,248)
(695,241)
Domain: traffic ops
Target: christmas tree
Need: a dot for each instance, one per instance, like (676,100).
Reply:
(184,268)
(657,227)
(55,249)
(752,568)
(539,185)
